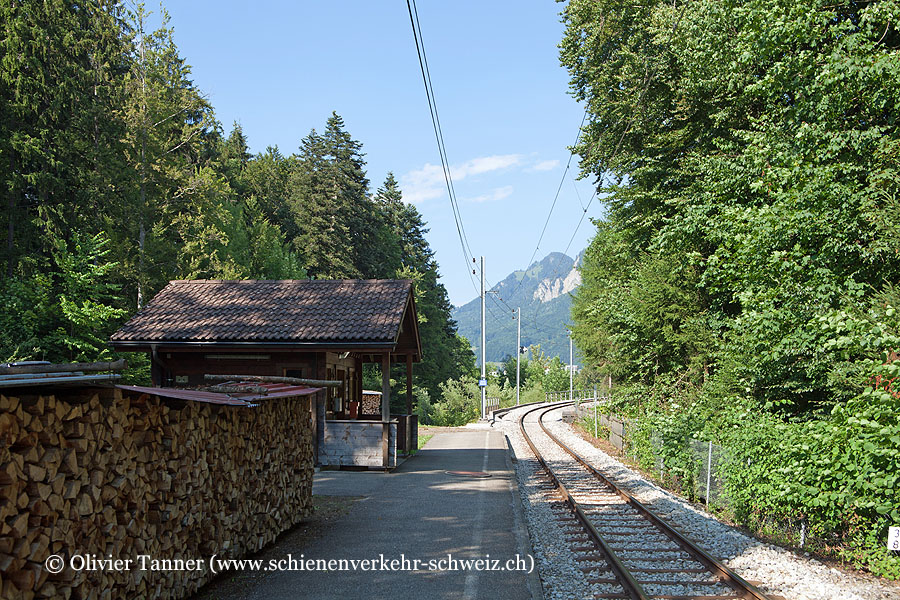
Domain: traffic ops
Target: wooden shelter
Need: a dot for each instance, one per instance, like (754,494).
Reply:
(317,329)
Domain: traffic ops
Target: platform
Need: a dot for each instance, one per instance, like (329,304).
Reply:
(421,511)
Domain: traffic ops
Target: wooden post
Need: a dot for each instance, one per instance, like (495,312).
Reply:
(409,384)
(408,438)
(386,387)
(386,407)
(358,381)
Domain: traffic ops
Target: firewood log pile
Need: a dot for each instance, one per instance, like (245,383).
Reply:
(93,472)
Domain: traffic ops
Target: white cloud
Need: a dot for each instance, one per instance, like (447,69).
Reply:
(496,194)
(428,182)
(423,184)
(545,165)
(485,164)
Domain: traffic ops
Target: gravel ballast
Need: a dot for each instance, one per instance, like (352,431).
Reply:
(775,570)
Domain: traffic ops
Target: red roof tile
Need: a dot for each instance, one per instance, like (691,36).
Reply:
(300,311)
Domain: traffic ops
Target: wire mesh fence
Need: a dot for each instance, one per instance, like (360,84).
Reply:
(577,395)
(705,459)
(708,459)
(706,466)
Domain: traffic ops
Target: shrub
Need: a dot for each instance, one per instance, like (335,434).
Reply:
(460,403)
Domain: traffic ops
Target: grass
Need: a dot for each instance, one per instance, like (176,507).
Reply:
(423,439)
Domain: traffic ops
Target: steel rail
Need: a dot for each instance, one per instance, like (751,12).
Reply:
(722,572)
(629,584)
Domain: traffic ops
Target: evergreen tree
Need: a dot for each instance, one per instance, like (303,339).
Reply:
(386,254)
(116,178)
(173,223)
(60,64)
(447,356)
(320,215)
(234,160)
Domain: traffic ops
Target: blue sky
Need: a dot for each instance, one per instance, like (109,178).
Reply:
(281,68)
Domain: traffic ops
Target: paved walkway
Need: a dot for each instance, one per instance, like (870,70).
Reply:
(421,512)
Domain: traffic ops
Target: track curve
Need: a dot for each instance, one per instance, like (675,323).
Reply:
(635,553)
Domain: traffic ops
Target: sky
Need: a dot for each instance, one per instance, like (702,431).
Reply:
(281,68)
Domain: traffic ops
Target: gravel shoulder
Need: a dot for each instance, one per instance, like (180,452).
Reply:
(777,571)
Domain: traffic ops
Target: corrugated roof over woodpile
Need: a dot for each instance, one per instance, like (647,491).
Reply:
(277,311)
(243,399)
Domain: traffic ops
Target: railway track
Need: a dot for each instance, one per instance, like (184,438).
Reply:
(626,550)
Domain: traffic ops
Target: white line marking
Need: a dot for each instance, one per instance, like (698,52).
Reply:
(471,586)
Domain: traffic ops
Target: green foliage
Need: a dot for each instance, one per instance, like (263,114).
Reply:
(549,374)
(837,474)
(82,301)
(406,254)
(423,406)
(508,371)
(747,203)
(742,282)
(459,403)
(138,370)
(23,322)
(106,142)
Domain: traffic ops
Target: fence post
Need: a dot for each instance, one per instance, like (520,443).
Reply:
(596,402)
(708,472)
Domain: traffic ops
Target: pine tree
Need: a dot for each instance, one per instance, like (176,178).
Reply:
(234,159)
(266,179)
(59,68)
(323,237)
(446,355)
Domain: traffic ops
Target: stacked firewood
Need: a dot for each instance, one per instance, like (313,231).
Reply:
(116,477)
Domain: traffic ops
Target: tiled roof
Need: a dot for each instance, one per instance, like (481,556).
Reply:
(274,311)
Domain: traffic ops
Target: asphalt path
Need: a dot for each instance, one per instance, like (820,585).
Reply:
(420,512)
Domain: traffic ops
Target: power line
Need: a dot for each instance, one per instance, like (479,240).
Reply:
(555,198)
(583,214)
(439,135)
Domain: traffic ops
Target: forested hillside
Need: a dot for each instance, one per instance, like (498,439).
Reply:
(117,177)
(743,288)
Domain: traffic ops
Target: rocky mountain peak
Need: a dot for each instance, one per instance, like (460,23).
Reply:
(542,291)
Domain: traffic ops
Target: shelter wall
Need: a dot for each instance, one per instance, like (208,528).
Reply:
(358,444)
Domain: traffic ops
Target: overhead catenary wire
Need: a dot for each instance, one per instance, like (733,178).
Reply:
(555,199)
(439,136)
(615,152)
(580,221)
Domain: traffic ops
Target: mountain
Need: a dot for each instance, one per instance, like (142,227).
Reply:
(542,291)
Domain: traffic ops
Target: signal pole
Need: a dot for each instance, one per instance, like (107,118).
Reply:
(483,382)
(518,347)
(571,367)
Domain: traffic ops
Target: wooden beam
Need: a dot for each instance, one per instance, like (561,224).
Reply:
(274,379)
(359,381)
(238,389)
(386,408)
(409,384)
(116,365)
(386,387)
